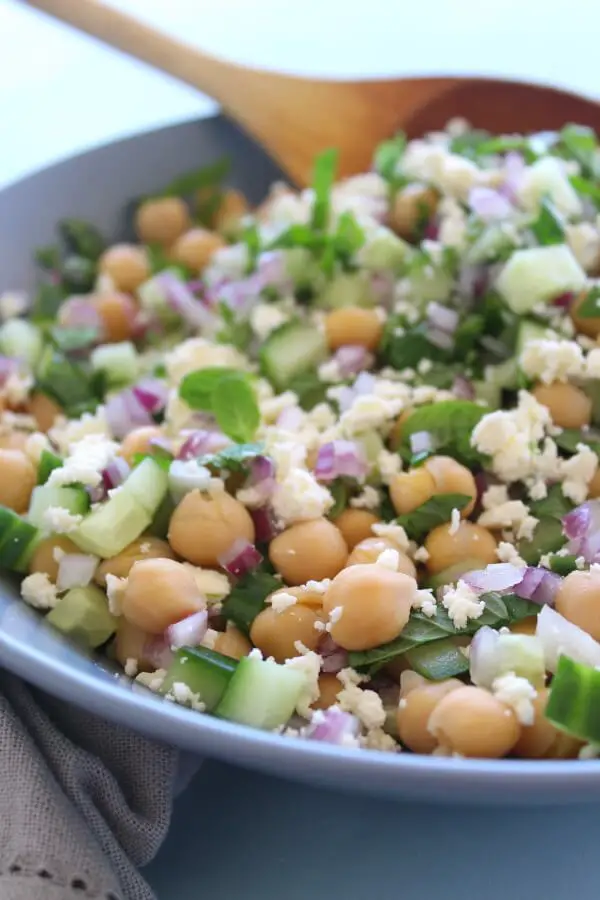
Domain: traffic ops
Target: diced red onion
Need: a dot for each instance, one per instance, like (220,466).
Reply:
(333,726)
(80,312)
(115,473)
(442,318)
(196,285)
(8,367)
(420,442)
(495,577)
(432,230)
(463,388)
(539,585)
(124,413)
(290,418)
(164,444)
(158,652)
(440,339)
(265,524)
(340,459)
(188,632)
(473,281)
(334,658)
(152,394)
(564,301)
(75,570)
(382,286)
(559,637)
(482,656)
(352,359)
(241,558)
(261,479)
(201,442)
(514,169)
(582,528)
(488,204)
(272,271)
(181,299)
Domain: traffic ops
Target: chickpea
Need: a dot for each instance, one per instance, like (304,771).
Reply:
(232,642)
(569,406)
(353,325)
(415,710)
(374,605)
(144,547)
(578,600)
(410,206)
(589,327)
(308,550)
(472,722)
(329,688)
(158,593)
(13,440)
(276,633)
(118,312)
(44,410)
(594,485)
(303,597)
(132,643)
(43,556)
(450,477)
(410,489)
(162,221)
(368,551)
(469,541)
(536,740)
(395,437)
(204,526)
(195,248)
(138,441)
(126,265)
(17,480)
(525,626)
(232,208)
(355,525)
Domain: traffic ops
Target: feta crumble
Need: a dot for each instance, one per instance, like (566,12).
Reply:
(59,520)
(38,591)
(517,693)
(462,604)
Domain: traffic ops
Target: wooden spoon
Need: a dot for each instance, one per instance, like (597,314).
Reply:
(294,118)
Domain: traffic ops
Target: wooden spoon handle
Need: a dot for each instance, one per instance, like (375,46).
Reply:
(125,33)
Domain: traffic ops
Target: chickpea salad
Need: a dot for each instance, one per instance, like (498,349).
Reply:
(328,467)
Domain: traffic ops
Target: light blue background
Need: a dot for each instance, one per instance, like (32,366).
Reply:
(235,834)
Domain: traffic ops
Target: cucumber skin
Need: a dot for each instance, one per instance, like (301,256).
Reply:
(204,671)
(274,347)
(74,499)
(253,698)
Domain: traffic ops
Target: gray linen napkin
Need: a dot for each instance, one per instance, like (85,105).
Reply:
(83,802)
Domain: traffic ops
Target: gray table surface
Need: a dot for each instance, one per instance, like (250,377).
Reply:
(236,834)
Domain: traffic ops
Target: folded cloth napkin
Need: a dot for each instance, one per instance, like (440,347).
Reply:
(83,802)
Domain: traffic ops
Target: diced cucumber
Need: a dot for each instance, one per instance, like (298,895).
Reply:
(521,654)
(303,269)
(489,392)
(147,484)
(83,614)
(21,339)
(203,671)
(109,528)
(261,694)
(548,537)
(48,462)
(384,250)
(438,660)
(159,527)
(17,539)
(546,178)
(428,284)
(347,289)
(291,350)
(493,243)
(592,389)
(451,574)
(118,362)
(73,498)
(529,331)
(537,275)
(574,701)
(504,375)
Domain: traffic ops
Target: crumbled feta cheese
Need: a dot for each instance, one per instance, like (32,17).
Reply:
(299,497)
(13,304)
(198,353)
(152,680)
(16,388)
(424,601)
(334,616)
(366,705)
(394,533)
(59,520)
(421,555)
(66,433)
(309,664)
(388,464)
(87,458)
(592,363)
(508,553)
(38,591)
(282,600)
(517,693)
(115,588)
(210,638)
(378,739)
(584,240)
(131,667)
(181,693)
(35,445)
(513,514)
(265,318)
(454,522)
(462,603)
(367,499)
(552,360)
(388,559)
(316,587)
(453,224)
(577,472)
(330,371)
(495,495)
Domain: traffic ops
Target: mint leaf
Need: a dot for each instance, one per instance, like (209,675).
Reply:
(450,424)
(347,238)
(563,565)
(590,308)
(48,258)
(548,537)
(236,330)
(47,301)
(81,238)
(234,458)
(70,339)
(197,388)
(405,346)
(250,236)
(309,389)
(208,176)
(586,187)
(581,144)
(570,438)
(439,660)
(548,228)
(433,512)
(247,598)
(387,156)
(554,506)
(322,182)
(235,407)
(340,493)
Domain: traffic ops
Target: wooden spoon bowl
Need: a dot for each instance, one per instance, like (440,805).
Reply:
(294,118)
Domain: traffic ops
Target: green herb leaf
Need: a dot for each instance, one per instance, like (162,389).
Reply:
(309,389)
(71,385)
(208,176)
(340,493)
(586,187)
(450,424)
(554,506)
(548,228)
(197,388)
(70,339)
(48,258)
(439,660)
(236,330)
(563,565)
(250,236)
(435,511)
(404,346)
(47,301)
(159,456)
(234,458)
(82,239)
(548,537)
(476,144)
(387,156)
(348,238)
(78,273)
(248,597)
(590,308)
(569,439)
(48,462)
(581,144)
(322,182)
(236,408)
